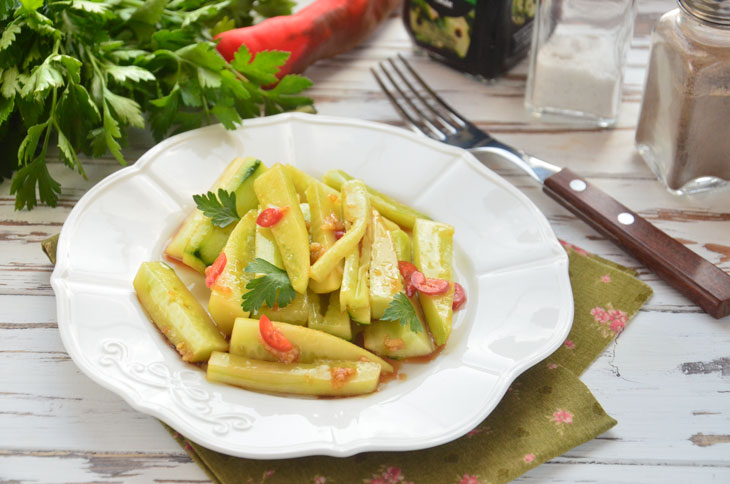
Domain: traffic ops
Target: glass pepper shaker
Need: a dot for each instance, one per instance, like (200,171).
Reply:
(577,59)
(684,126)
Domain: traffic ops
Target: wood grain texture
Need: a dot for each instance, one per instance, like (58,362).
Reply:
(662,379)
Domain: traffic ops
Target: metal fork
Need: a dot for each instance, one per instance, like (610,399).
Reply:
(426,113)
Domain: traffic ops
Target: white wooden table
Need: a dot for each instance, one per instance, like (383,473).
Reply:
(666,379)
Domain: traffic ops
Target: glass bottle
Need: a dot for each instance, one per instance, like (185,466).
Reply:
(577,59)
(684,126)
(485,38)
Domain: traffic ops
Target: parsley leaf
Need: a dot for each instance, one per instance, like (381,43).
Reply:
(400,309)
(78,74)
(32,174)
(263,67)
(273,288)
(221,210)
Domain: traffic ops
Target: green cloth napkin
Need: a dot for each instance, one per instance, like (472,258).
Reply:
(546,411)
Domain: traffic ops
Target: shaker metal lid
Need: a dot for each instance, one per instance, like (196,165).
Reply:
(713,11)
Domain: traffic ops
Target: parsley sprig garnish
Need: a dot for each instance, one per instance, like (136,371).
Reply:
(400,309)
(75,74)
(221,210)
(273,288)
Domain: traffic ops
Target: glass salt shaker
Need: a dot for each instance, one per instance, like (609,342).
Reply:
(684,126)
(577,60)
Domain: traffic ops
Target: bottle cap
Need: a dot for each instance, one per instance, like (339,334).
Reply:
(712,11)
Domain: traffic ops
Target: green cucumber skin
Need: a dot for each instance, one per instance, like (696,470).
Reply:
(206,240)
(205,245)
(245,196)
(177,313)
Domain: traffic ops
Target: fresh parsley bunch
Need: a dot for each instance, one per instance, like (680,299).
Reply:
(78,73)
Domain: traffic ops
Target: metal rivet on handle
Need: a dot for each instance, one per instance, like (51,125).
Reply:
(625,218)
(578,185)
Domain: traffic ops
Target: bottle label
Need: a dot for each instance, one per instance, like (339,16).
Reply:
(444,24)
(522,11)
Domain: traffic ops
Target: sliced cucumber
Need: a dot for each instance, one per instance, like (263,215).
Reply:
(275,189)
(302,181)
(326,213)
(266,248)
(332,378)
(177,313)
(356,213)
(402,244)
(334,320)
(296,311)
(313,344)
(396,211)
(393,340)
(198,242)
(205,245)
(432,254)
(226,293)
(359,305)
(385,279)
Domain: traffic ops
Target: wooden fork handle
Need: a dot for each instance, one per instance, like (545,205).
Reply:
(680,267)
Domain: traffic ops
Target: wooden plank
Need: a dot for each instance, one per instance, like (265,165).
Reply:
(563,470)
(99,467)
(137,468)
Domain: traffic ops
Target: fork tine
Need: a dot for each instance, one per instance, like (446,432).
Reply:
(422,125)
(453,114)
(438,115)
(412,123)
(422,109)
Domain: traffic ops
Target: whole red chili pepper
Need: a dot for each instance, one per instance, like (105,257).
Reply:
(322,29)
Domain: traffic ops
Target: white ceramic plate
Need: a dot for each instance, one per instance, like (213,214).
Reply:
(514,271)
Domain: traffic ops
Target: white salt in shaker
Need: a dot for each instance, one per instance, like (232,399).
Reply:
(577,59)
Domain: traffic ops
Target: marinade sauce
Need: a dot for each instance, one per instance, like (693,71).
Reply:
(481,37)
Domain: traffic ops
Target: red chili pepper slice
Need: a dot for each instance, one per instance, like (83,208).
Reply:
(339,234)
(459,297)
(270,216)
(431,287)
(273,336)
(214,270)
(406,270)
